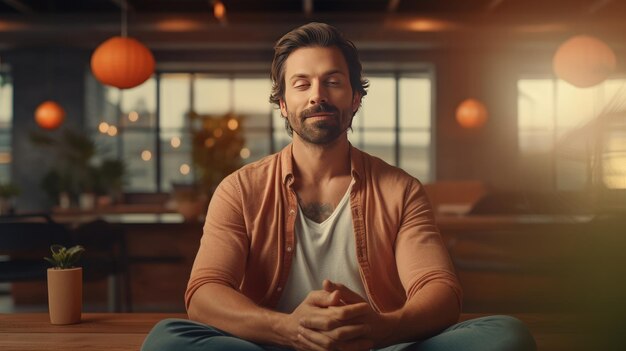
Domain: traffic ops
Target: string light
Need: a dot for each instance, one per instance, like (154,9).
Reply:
(133,116)
(112,131)
(184,169)
(146,155)
(103,127)
(244,153)
(233,124)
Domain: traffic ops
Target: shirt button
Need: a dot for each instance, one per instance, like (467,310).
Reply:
(279,289)
(288,248)
(292,212)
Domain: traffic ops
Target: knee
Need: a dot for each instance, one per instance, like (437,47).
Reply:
(514,334)
(166,335)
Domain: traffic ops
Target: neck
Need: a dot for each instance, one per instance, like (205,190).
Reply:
(320,163)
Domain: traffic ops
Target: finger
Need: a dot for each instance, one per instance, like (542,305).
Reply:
(348,296)
(348,332)
(328,343)
(334,317)
(321,298)
(319,339)
(306,344)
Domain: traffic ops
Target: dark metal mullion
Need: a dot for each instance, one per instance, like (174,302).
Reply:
(397,124)
(555,108)
(158,133)
(120,128)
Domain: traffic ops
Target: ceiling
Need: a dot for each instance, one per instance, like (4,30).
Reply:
(539,8)
(190,24)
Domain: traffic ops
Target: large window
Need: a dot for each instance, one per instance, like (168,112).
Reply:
(582,130)
(150,126)
(6,116)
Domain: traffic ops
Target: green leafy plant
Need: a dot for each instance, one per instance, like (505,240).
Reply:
(80,166)
(8,190)
(63,258)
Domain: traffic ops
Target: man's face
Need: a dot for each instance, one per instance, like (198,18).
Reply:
(318,102)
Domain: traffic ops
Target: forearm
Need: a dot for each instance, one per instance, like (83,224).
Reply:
(432,309)
(227,309)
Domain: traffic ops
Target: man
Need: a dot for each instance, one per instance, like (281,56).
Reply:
(322,246)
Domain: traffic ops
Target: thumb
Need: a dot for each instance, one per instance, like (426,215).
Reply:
(322,298)
(346,295)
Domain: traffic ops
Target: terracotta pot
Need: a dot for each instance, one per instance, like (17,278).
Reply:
(65,295)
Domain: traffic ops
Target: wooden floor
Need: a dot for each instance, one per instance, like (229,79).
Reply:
(126,332)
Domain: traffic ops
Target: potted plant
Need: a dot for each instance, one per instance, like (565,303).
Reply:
(8,192)
(65,285)
(81,172)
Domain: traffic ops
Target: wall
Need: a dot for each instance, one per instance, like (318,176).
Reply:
(39,75)
(486,71)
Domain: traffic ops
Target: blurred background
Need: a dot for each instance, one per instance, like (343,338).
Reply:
(511,112)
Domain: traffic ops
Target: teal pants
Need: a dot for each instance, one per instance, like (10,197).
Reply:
(493,333)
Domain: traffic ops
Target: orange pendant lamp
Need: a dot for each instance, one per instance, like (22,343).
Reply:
(584,61)
(49,115)
(471,113)
(121,61)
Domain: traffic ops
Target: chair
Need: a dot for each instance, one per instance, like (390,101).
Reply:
(26,239)
(106,257)
(454,196)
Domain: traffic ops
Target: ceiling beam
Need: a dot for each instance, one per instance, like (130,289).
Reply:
(123,4)
(493,4)
(597,5)
(392,6)
(307,7)
(19,6)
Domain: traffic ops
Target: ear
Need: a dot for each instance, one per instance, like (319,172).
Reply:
(356,101)
(283,108)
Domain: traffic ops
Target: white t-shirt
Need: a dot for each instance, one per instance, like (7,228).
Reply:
(323,251)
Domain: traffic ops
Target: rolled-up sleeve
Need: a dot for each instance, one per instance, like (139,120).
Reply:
(224,246)
(421,255)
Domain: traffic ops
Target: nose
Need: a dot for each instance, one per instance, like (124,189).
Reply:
(318,94)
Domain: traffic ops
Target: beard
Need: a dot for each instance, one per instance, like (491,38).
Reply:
(320,132)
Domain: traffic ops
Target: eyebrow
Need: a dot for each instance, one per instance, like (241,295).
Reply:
(303,75)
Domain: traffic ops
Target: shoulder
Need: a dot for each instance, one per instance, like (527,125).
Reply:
(376,170)
(254,175)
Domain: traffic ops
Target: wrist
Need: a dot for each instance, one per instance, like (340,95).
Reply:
(281,325)
(389,329)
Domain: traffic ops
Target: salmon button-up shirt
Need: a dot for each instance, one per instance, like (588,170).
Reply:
(249,241)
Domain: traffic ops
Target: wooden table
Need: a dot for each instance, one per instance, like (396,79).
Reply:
(97,331)
(126,331)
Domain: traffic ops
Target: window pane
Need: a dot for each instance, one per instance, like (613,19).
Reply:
(415,101)
(174,99)
(6,117)
(379,105)
(138,107)
(576,106)
(281,138)
(212,95)
(380,144)
(415,154)
(257,146)
(614,156)
(535,114)
(140,158)
(252,96)
(176,165)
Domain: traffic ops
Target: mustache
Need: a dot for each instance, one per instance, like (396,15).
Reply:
(319,108)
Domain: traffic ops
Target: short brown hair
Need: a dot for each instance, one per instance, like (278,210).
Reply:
(312,35)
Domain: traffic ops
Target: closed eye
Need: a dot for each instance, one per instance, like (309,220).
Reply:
(300,84)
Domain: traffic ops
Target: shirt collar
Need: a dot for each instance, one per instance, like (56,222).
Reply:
(286,158)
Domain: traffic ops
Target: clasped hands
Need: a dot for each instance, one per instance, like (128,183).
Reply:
(336,318)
